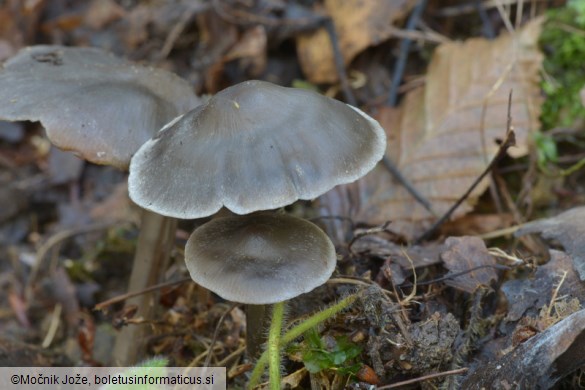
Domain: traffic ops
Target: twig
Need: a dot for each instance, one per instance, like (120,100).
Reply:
(455,275)
(468,8)
(500,232)
(505,16)
(54,241)
(54,325)
(393,99)
(216,333)
(426,35)
(424,378)
(488,29)
(555,294)
(175,32)
(236,353)
(339,62)
(403,56)
(123,297)
(368,232)
(395,172)
(509,140)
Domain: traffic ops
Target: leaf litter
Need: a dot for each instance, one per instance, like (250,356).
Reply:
(445,133)
(452,306)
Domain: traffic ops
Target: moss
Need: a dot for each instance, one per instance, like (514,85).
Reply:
(563,42)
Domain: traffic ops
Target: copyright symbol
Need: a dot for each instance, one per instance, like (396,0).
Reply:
(14,379)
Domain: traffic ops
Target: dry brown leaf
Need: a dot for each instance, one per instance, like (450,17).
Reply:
(569,229)
(467,254)
(476,224)
(102,12)
(438,141)
(359,24)
(251,49)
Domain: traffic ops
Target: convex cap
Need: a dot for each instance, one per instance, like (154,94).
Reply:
(254,146)
(91,102)
(259,259)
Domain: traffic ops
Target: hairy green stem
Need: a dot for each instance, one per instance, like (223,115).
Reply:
(273,345)
(297,331)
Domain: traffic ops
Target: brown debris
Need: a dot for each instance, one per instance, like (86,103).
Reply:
(539,362)
(359,24)
(447,132)
(468,254)
(569,229)
(528,296)
(431,348)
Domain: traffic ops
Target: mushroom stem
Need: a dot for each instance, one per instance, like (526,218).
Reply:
(298,330)
(273,345)
(256,323)
(155,241)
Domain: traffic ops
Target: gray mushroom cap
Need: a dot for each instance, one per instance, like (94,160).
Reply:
(254,146)
(99,106)
(259,259)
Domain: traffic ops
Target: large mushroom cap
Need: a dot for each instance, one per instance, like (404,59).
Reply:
(97,105)
(254,146)
(259,259)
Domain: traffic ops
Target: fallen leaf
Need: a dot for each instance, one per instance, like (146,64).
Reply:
(467,254)
(528,296)
(438,141)
(416,256)
(86,336)
(569,229)
(477,224)
(251,50)
(539,362)
(358,23)
(102,12)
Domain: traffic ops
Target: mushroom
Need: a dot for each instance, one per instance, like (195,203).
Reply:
(261,259)
(99,106)
(102,108)
(254,146)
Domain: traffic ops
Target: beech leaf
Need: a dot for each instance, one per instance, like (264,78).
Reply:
(358,23)
(445,134)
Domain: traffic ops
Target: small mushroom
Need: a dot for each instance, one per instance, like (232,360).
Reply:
(103,109)
(261,259)
(99,106)
(254,146)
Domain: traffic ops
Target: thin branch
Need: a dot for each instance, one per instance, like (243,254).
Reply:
(509,140)
(424,378)
(123,297)
(403,56)
(339,62)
